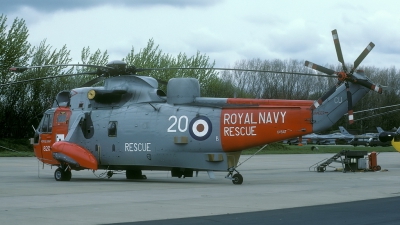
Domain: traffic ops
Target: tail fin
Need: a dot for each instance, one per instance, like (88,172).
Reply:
(380,130)
(343,130)
(336,105)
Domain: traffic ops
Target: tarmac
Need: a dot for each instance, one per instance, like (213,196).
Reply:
(30,195)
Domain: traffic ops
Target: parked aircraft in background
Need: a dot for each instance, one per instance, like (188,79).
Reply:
(332,139)
(367,139)
(347,136)
(380,130)
(396,143)
(393,137)
(355,140)
(374,141)
(319,139)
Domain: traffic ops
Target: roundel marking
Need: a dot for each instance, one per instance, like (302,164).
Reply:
(200,128)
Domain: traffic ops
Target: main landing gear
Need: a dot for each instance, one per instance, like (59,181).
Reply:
(135,174)
(236,178)
(63,173)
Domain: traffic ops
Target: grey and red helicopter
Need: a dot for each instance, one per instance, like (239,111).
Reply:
(130,125)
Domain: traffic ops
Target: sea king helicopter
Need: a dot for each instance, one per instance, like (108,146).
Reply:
(129,124)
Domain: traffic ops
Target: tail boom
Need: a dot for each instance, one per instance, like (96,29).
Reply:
(336,105)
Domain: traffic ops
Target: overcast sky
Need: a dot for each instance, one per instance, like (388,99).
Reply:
(224,30)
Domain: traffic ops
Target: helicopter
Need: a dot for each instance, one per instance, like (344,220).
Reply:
(128,124)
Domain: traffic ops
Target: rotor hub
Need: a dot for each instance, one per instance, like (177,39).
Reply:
(342,76)
(118,65)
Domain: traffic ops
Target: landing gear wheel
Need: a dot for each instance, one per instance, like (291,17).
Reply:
(62,175)
(237,179)
(58,174)
(110,174)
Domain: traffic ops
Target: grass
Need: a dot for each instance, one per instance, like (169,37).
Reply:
(16,154)
(22,148)
(15,148)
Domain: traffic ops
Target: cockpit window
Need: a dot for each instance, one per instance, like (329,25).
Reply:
(46,124)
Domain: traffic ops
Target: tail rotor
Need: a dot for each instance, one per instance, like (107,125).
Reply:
(344,76)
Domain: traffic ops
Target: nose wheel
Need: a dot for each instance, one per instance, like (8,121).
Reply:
(62,174)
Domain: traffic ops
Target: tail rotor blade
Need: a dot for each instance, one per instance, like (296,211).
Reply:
(319,68)
(350,104)
(338,48)
(325,96)
(369,85)
(362,56)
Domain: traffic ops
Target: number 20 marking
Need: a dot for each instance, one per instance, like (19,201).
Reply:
(182,121)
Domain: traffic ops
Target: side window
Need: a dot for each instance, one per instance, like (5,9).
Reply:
(62,117)
(112,128)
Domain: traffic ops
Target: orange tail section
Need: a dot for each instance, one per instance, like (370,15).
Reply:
(267,121)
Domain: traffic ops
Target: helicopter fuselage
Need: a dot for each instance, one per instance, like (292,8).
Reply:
(128,124)
(159,135)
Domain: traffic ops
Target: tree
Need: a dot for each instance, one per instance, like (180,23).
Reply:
(14,50)
(39,95)
(22,105)
(87,58)
(152,57)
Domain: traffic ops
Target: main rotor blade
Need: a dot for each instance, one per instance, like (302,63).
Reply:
(338,48)
(93,81)
(320,68)
(383,107)
(362,56)
(228,69)
(23,68)
(45,78)
(379,114)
